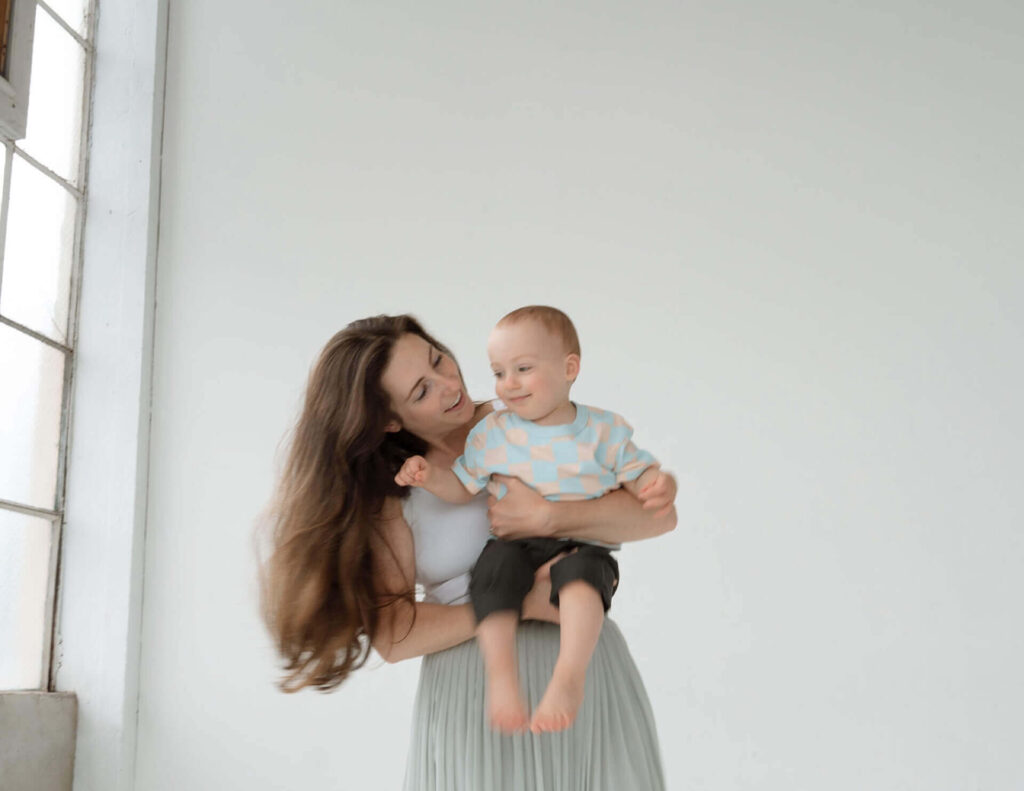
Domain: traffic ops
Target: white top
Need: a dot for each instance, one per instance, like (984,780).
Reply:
(447,540)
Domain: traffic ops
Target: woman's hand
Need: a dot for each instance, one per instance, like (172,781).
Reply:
(521,513)
(537,605)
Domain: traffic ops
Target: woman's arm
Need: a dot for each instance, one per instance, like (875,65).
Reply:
(406,629)
(437,627)
(615,518)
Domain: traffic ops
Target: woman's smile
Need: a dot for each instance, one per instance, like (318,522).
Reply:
(459,401)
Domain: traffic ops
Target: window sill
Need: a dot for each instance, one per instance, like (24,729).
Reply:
(37,740)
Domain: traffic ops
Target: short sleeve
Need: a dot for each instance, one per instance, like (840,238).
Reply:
(626,460)
(469,468)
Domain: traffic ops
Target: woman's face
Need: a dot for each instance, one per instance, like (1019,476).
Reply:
(426,389)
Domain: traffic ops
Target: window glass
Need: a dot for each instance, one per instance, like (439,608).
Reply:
(31,394)
(24,576)
(42,176)
(55,99)
(36,285)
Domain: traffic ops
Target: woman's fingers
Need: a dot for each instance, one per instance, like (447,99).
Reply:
(544,571)
(537,606)
(521,512)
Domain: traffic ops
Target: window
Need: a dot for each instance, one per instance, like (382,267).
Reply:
(42,172)
(17,18)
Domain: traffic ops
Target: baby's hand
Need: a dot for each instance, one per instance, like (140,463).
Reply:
(414,472)
(660,493)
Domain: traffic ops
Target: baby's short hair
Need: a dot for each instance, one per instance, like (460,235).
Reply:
(553,320)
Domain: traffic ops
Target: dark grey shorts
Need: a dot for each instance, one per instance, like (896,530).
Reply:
(503,573)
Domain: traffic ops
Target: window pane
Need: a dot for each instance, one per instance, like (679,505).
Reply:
(30,411)
(55,98)
(72,12)
(36,284)
(24,575)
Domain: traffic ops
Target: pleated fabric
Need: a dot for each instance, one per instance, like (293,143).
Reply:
(613,745)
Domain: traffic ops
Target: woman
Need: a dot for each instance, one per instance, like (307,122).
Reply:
(350,545)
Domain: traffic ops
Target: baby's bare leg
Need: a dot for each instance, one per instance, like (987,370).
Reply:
(581,613)
(496,634)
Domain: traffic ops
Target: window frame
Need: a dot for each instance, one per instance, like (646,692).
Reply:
(98,620)
(14,87)
(22,31)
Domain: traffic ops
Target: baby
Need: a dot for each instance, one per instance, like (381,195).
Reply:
(565,451)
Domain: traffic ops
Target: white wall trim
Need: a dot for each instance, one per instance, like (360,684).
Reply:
(101,585)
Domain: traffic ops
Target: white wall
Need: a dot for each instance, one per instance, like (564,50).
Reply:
(790,236)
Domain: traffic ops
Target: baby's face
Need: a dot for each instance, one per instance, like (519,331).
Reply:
(532,371)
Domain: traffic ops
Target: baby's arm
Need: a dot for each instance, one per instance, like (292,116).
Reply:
(654,488)
(439,481)
(638,471)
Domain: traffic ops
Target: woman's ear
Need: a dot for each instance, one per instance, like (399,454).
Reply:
(392,426)
(572,367)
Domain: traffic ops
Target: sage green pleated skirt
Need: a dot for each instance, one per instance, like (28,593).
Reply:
(613,745)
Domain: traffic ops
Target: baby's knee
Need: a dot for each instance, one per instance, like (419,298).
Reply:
(597,568)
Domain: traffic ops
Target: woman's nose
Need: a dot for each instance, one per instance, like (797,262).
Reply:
(452,386)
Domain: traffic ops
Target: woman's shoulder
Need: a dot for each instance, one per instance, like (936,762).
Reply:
(489,413)
(486,409)
(392,521)
(392,550)
(483,419)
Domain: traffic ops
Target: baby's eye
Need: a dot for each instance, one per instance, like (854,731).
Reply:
(437,362)
(524,368)
(497,374)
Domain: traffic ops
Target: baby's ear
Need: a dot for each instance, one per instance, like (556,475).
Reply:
(572,367)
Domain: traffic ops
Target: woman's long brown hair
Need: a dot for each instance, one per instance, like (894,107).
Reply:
(319,597)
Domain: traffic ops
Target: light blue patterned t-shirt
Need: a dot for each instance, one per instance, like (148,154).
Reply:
(577,461)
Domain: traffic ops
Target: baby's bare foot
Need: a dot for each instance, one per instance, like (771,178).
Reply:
(506,710)
(557,709)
